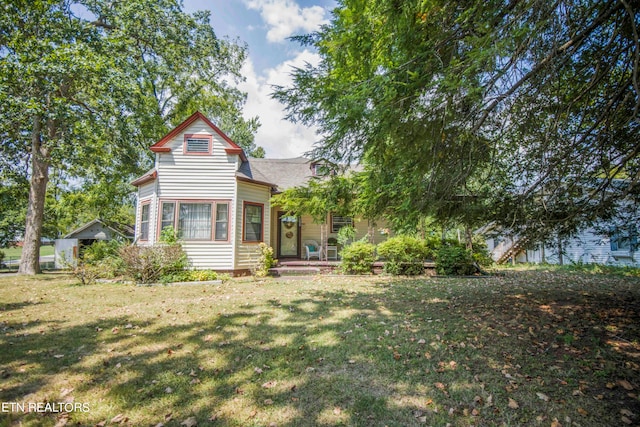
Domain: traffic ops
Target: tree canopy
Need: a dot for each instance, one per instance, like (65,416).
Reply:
(86,86)
(524,112)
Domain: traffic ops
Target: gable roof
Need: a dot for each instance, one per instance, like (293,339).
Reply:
(160,146)
(120,229)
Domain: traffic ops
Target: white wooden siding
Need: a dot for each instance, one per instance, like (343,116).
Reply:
(189,176)
(587,247)
(247,253)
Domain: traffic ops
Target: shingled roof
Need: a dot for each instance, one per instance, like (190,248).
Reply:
(283,173)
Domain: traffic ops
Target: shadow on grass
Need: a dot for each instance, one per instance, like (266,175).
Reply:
(402,352)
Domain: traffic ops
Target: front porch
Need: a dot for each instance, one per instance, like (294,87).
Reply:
(303,267)
(292,267)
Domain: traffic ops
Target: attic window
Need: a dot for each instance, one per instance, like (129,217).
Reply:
(321,169)
(197,144)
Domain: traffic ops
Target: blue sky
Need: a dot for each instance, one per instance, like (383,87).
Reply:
(265,25)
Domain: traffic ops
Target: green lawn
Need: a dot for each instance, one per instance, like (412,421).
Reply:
(16,252)
(524,348)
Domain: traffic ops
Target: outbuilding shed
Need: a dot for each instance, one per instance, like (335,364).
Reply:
(69,247)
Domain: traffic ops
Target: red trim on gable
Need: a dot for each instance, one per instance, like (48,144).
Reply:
(160,149)
(234,149)
(148,177)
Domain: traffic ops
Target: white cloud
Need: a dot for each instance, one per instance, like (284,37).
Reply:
(285,18)
(279,137)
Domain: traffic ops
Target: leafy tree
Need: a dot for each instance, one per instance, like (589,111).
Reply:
(87,85)
(524,112)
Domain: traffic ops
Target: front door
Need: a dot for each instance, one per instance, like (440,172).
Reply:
(288,236)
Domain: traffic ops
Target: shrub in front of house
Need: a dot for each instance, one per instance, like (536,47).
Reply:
(454,260)
(358,258)
(148,264)
(100,260)
(190,276)
(265,260)
(404,255)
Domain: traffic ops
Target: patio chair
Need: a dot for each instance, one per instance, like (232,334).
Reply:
(313,249)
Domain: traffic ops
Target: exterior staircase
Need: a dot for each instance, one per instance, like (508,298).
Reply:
(518,245)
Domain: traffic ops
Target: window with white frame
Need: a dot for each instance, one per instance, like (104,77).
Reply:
(195,220)
(337,222)
(144,222)
(222,221)
(624,239)
(253,219)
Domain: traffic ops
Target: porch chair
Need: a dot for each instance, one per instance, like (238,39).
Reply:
(313,249)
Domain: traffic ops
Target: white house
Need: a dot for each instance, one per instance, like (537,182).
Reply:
(607,244)
(218,200)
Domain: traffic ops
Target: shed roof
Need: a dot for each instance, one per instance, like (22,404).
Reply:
(123,230)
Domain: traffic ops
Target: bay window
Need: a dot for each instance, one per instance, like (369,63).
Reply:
(195,220)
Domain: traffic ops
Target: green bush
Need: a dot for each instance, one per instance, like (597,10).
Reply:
(346,235)
(189,276)
(404,255)
(454,260)
(104,257)
(481,254)
(358,257)
(265,260)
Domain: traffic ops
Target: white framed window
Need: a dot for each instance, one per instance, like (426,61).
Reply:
(337,222)
(624,239)
(144,221)
(222,221)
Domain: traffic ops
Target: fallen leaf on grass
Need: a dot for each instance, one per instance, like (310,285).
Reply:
(337,410)
(626,420)
(189,422)
(118,419)
(556,423)
(268,402)
(627,413)
(625,385)
(513,404)
(582,411)
(542,396)
(269,384)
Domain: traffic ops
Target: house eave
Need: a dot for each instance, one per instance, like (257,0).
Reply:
(148,177)
(255,181)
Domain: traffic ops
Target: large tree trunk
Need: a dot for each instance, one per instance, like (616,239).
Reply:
(30,261)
